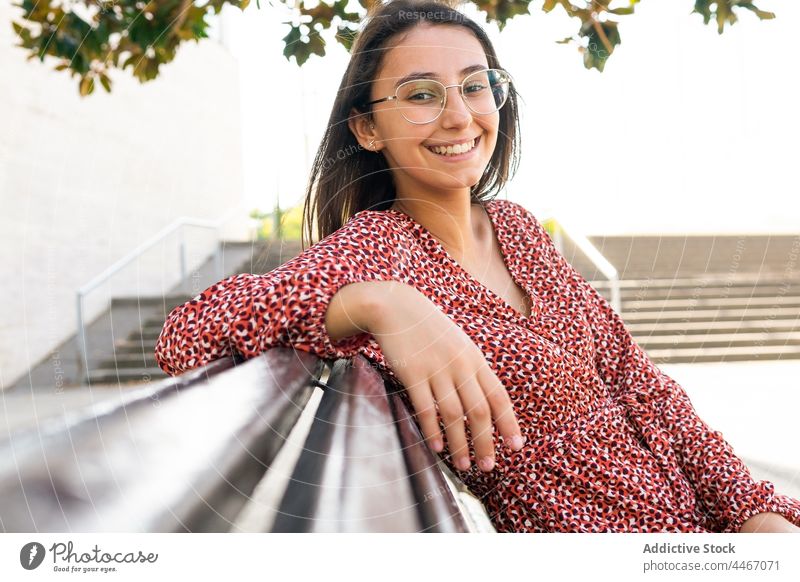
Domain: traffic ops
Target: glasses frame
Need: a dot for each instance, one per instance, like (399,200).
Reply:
(444,99)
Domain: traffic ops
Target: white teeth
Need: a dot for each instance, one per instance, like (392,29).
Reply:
(453,150)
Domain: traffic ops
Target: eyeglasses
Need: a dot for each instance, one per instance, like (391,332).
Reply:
(423,100)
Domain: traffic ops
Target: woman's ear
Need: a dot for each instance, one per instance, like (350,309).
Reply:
(363,129)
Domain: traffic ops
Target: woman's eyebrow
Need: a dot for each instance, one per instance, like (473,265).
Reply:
(430,74)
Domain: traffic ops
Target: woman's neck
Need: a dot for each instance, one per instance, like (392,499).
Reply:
(458,224)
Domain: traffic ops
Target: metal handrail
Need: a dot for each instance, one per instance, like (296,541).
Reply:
(591,252)
(177,224)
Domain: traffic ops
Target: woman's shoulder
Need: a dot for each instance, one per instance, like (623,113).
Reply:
(363,226)
(514,213)
(367,237)
(374,227)
(375,218)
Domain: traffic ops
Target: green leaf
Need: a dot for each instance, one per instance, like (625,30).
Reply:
(86,85)
(302,50)
(105,82)
(346,36)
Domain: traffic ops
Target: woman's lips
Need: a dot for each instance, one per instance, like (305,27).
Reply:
(457,157)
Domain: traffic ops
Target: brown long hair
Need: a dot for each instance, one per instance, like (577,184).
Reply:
(347,178)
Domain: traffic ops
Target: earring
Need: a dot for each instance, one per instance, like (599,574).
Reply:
(372,144)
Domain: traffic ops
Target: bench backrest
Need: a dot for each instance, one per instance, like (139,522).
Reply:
(187,453)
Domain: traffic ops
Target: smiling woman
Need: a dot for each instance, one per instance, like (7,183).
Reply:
(417,78)
(500,339)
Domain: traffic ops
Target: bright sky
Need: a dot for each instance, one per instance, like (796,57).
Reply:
(685,130)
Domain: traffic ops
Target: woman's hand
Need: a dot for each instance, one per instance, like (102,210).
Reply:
(768,522)
(444,365)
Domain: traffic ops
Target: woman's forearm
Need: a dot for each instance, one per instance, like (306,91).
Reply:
(768,522)
(352,308)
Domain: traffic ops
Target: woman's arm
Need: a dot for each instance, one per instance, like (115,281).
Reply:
(768,522)
(721,480)
(248,314)
(352,309)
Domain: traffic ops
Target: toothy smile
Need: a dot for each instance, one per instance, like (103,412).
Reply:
(454,150)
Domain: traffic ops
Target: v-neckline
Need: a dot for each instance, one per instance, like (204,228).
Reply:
(511,268)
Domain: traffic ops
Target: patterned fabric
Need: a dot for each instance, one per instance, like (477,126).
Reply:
(612,443)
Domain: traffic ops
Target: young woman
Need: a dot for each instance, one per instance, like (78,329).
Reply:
(463,301)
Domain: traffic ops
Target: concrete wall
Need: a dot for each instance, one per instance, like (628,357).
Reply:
(85,180)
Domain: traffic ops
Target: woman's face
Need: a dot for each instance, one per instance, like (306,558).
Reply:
(445,51)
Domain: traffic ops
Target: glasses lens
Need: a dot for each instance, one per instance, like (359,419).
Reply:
(486,91)
(420,101)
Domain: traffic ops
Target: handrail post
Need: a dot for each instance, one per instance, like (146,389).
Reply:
(169,230)
(591,252)
(557,240)
(218,254)
(616,301)
(81,339)
(182,253)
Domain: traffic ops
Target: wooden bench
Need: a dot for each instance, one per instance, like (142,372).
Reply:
(188,454)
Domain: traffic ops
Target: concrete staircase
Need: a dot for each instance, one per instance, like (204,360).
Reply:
(121,341)
(688,299)
(133,359)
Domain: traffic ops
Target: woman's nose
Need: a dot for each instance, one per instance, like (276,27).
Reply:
(455,109)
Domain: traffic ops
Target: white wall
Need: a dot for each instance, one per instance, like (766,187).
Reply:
(85,180)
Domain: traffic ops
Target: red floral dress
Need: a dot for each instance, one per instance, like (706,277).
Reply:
(613,444)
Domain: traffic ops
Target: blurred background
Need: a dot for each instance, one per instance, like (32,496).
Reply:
(668,179)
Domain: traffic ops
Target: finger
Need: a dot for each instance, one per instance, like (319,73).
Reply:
(421,396)
(502,408)
(480,421)
(452,414)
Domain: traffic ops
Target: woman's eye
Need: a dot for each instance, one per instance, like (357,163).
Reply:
(475,87)
(414,96)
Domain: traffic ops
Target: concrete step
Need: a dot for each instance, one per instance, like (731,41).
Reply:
(167,301)
(711,314)
(716,292)
(707,341)
(724,303)
(125,375)
(153,323)
(732,354)
(130,360)
(709,280)
(146,334)
(134,347)
(713,327)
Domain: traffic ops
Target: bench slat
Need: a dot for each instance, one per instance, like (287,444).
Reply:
(365,466)
(439,511)
(184,455)
(351,476)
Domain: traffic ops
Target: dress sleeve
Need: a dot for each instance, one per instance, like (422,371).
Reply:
(247,314)
(721,480)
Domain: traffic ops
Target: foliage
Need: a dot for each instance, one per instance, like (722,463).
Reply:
(88,38)
(551,226)
(291,221)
